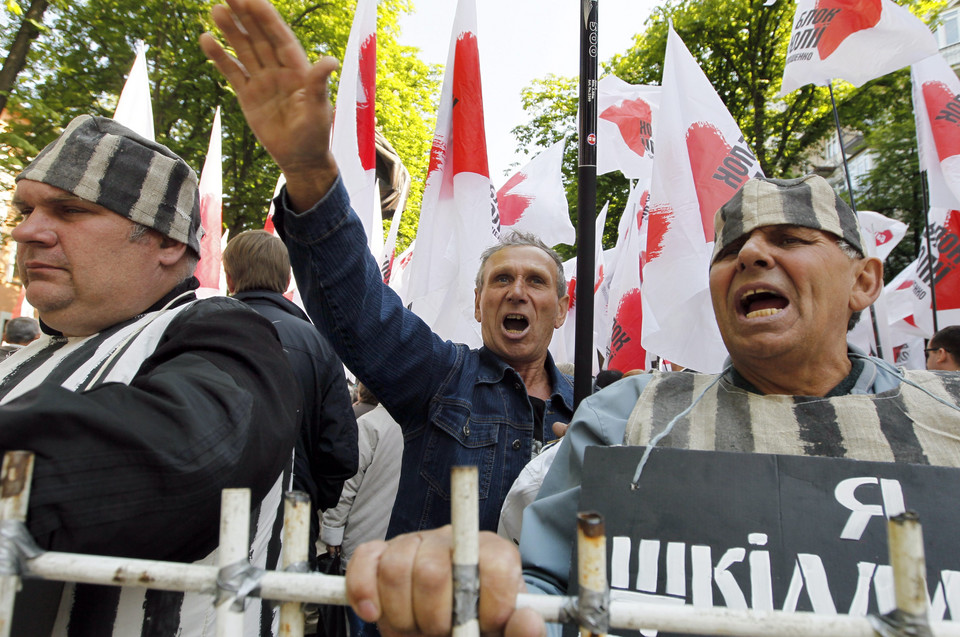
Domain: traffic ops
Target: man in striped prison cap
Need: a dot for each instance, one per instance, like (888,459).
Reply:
(140,401)
(788,277)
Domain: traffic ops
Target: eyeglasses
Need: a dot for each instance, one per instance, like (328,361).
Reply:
(927,350)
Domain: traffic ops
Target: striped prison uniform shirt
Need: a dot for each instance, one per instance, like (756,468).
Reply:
(115,356)
(904,424)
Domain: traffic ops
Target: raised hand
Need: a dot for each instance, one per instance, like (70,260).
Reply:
(284,98)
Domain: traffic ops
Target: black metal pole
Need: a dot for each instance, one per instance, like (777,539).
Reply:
(853,203)
(586,203)
(926,234)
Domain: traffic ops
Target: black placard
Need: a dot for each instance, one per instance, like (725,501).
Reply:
(768,532)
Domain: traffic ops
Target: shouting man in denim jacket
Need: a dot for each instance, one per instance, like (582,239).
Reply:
(457,406)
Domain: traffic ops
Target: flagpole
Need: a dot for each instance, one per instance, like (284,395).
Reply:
(586,204)
(853,203)
(926,234)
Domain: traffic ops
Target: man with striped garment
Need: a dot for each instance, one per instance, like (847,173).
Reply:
(788,279)
(139,401)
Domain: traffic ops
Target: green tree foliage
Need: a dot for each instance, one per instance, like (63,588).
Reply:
(79,66)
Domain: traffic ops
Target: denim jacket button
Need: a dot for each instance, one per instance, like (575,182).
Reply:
(466,430)
(516,386)
(516,444)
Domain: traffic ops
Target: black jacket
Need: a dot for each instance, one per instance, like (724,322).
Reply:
(327,449)
(135,467)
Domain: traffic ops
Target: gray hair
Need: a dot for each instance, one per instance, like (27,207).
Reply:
(21,330)
(854,255)
(520,239)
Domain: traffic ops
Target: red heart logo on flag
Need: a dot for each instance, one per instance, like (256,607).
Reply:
(708,151)
(512,206)
(852,16)
(626,352)
(943,120)
(883,236)
(634,119)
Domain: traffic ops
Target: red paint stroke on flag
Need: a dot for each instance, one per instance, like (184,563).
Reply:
(366,101)
(943,122)
(853,16)
(438,156)
(469,139)
(658,223)
(634,119)
(626,352)
(512,206)
(708,149)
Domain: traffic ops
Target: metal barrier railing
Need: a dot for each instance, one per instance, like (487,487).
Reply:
(592,609)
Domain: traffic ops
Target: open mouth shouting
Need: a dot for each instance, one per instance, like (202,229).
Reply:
(762,302)
(515,324)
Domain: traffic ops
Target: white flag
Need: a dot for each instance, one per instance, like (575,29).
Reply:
(908,295)
(211,213)
(563,345)
(293,292)
(626,116)
(354,141)
(702,160)
(854,40)
(624,317)
(881,234)
(458,216)
(936,107)
(134,108)
(534,201)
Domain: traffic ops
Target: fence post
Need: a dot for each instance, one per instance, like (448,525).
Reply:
(234,543)
(15,478)
(909,564)
(296,540)
(594,601)
(465,520)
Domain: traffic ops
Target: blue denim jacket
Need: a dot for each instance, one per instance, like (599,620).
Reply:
(456,405)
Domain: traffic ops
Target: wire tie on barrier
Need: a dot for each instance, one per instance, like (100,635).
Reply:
(569,611)
(595,611)
(241,580)
(466,592)
(16,547)
(897,623)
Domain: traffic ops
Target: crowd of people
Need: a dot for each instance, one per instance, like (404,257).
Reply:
(142,402)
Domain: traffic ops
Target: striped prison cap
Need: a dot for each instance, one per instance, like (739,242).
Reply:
(807,201)
(99,160)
